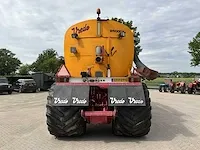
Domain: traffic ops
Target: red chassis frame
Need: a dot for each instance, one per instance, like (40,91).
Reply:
(98,111)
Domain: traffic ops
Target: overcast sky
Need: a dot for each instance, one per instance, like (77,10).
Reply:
(166,26)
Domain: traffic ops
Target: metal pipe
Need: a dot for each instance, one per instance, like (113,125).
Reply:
(138,62)
(142,69)
(98,28)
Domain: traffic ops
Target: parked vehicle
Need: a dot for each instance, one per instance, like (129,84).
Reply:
(171,86)
(43,80)
(25,85)
(5,86)
(194,86)
(178,87)
(165,85)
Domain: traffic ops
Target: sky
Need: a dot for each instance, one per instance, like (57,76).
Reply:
(166,27)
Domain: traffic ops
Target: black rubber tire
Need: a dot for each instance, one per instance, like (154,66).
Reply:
(182,89)
(171,89)
(65,121)
(160,88)
(189,90)
(165,89)
(133,121)
(10,92)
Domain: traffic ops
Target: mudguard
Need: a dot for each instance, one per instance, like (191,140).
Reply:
(63,95)
(126,96)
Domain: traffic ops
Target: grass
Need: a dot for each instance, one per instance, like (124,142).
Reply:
(158,81)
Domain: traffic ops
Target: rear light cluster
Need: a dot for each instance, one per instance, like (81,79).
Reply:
(99,53)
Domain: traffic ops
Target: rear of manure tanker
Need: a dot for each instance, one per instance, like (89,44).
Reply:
(98,47)
(96,85)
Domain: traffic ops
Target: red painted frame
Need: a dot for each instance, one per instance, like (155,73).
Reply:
(101,114)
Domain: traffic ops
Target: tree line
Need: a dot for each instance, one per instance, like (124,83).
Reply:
(176,74)
(47,61)
(50,61)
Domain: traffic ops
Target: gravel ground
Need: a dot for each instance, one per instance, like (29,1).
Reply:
(175,126)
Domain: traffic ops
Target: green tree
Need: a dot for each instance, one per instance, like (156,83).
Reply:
(61,60)
(194,47)
(24,69)
(8,62)
(137,48)
(47,61)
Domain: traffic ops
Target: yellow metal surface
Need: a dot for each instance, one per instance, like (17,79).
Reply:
(120,59)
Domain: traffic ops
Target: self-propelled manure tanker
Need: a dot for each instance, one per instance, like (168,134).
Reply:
(96,84)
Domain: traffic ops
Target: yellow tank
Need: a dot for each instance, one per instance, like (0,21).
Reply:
(93,40)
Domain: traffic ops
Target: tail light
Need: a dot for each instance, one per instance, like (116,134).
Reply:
(99,50)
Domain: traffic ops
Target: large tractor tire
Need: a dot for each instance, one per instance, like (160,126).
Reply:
(160,88)
(65,121)
(133,121)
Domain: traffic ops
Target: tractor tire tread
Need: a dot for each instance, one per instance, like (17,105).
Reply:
(133,121)
(65,121)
